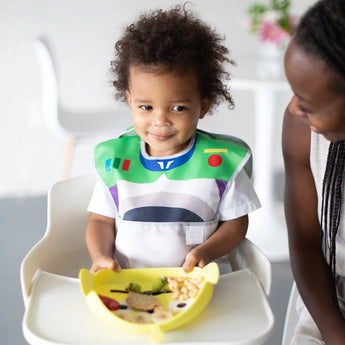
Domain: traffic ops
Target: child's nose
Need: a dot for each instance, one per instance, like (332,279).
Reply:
(161,118)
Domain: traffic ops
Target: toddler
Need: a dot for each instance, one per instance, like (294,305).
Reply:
(169,194)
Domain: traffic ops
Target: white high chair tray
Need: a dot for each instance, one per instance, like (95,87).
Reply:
(238,313)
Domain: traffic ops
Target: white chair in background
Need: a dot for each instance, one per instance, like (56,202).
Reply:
(56,311)
(69,125)
(291,316)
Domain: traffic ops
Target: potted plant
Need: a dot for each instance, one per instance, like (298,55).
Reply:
(272,22)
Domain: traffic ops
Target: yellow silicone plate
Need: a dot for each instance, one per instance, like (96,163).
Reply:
(104,281)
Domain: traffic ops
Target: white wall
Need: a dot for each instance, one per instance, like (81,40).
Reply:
(82,34)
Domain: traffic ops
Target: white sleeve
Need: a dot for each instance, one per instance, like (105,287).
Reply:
(239,198)
(101,201)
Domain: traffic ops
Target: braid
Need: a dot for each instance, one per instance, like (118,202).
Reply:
(331,199)
(321,31)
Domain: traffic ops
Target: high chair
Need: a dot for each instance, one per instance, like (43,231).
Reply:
(291,316)
(56,311)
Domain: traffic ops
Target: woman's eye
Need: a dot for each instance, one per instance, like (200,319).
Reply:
(145,107)
(179,108)
(301,108)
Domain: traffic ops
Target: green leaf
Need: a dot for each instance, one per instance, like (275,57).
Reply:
(257,9)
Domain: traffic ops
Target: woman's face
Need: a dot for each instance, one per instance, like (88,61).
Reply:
(319,93)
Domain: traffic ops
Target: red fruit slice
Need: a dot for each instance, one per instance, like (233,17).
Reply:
(110,303)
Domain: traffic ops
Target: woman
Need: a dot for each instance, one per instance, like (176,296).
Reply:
(314,154)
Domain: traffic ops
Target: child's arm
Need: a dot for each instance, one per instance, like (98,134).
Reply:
(229,234)
(100,241)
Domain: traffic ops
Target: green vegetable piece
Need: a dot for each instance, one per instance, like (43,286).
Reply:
(134,287)
(160,285)
(157,285)
(165,287)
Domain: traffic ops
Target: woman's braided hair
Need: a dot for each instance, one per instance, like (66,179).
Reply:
(332,198)
(174,40)
(321,32)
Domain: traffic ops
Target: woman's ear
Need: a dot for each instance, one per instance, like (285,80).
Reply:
(205,106)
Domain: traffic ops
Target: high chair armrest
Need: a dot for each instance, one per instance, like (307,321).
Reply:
(29,266)
(248,255)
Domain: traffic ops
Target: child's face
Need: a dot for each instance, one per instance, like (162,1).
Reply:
(166,108)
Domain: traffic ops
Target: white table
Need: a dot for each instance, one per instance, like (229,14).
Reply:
(267,229)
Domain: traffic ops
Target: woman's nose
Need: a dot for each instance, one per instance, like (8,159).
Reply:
(294,107)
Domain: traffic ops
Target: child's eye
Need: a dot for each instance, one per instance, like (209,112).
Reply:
(179,108)
(145,107)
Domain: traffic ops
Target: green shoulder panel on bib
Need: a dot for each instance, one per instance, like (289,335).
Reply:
(116,158)
(213,157)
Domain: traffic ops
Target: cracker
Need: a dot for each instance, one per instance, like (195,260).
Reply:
(138,301)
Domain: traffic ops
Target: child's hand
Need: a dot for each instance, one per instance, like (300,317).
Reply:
(196,257)
(104,262)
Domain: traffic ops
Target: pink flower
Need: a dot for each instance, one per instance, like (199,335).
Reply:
(272,33)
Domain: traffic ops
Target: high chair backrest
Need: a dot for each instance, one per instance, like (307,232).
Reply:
(62,250)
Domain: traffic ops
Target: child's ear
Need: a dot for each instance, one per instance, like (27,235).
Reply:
(128,96)
(205,105)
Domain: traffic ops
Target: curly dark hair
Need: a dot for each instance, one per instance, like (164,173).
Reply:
(174,40)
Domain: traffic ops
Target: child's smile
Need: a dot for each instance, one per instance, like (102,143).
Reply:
(166,108)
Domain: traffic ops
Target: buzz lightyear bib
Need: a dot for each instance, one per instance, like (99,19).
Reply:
(166,203)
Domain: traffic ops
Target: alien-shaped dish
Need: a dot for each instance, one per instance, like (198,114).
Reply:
(107,285)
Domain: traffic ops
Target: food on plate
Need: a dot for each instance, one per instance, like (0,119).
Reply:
(110,303)
(160,315)
(144,307)
(134,287)
(178,296)
(123,314)
(160,285)
(139,301)
(183,288)
(141,317)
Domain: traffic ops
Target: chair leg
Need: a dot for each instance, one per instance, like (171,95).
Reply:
(67,157)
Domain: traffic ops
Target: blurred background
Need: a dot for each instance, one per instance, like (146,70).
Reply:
(82,34)
(35,153)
